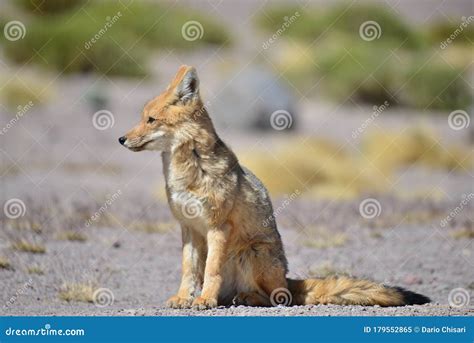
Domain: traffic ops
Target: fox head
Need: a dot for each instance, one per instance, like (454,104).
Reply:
(168,115)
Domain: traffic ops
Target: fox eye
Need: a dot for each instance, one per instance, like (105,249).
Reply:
(150,120)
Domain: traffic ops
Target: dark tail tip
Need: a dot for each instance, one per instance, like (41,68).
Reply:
(412,298)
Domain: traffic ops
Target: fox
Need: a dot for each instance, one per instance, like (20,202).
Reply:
(231,253)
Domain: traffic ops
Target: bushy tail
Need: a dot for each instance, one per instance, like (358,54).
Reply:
(347,291)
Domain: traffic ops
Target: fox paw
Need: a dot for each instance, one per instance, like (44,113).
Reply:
(179,302)
(201,303)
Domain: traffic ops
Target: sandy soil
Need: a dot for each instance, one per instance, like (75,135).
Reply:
(64,169)
(63,176)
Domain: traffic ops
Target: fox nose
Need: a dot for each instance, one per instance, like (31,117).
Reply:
(122,140)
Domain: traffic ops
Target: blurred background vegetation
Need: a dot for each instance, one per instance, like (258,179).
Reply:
(405,64)
(320,53)
(59,31)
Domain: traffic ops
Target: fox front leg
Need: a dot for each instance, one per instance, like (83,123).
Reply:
(194,254)
(216,244)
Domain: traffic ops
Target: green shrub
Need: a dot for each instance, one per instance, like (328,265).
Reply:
(439,32)
(399,66)
(435,85)
(313,23)
(64,41)
(49,6)
(356,71)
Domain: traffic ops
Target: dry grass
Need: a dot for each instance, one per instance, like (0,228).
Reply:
(82,292)
(4,263)
(322,238)
(329,171)
(326,269)
(24,224)
(27,246)
(35,270)
(73,236)
(463,233)
(323,167)
(152,227)
(388,151)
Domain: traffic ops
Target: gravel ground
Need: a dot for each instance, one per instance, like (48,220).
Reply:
(63,176)
(63,170)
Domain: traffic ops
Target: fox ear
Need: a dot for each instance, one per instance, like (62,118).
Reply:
(188,88)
